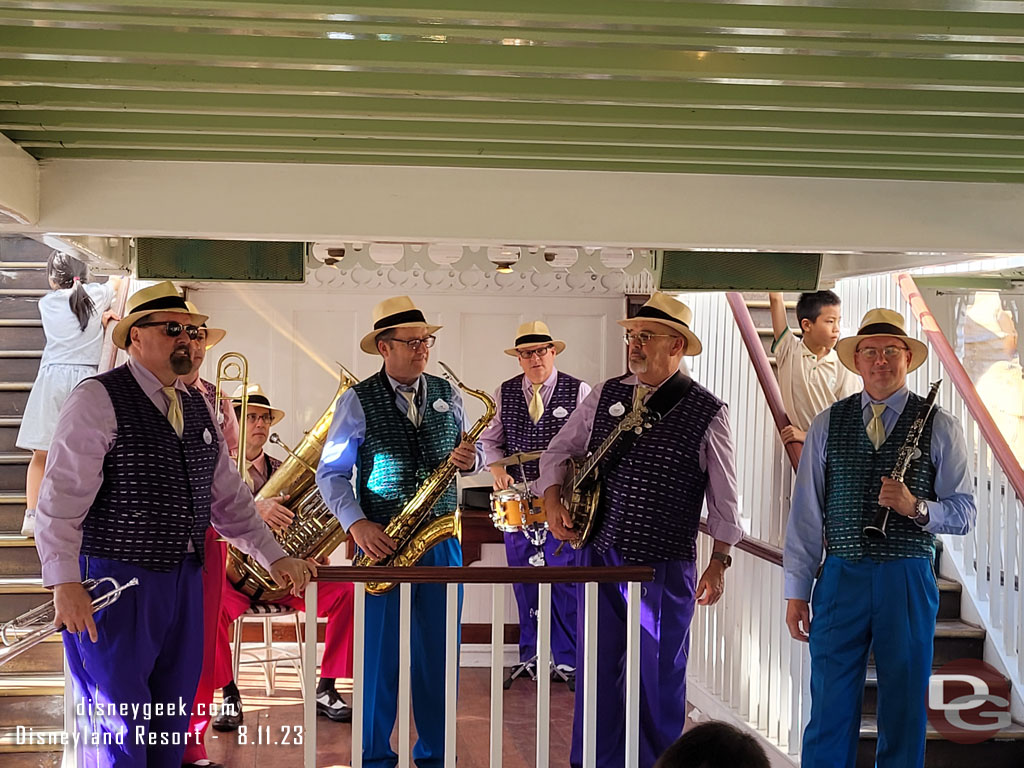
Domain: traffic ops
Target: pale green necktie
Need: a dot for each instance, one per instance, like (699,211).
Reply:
(876,429)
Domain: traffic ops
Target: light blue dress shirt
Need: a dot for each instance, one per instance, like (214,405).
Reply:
(953,513)
(341,451)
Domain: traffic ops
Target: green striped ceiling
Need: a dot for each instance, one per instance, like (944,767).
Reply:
(918,89)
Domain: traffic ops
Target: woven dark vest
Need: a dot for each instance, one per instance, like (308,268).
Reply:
(652,499)
(521,434)
(395,456)
(270,467)
(155,494)
(853,472)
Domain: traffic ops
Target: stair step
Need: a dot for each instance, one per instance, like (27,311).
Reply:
(44,657)
(1005,750)
(18,307)
(12,470)
(20,353)
(21,336)
(15,386)
(22,275)
(20,248)
(20,322)
(31,684)
(9,434)
(49,735)
(13,403)
(21,265)
(18,369)
(37,293)
(21,597)
(19,556)
(43,710)
(949,599)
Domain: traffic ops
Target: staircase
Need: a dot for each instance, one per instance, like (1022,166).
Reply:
(31,686)
(954,638)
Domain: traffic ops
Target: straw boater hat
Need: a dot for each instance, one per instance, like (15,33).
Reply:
(162,297)
(881,322)
(213,335)
(258,397)
(662,308)
(532,335)
(397,312)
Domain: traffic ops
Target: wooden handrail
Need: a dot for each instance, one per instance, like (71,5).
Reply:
(759,549)
(763,369)
(962,381)
(108,355)
(486,575)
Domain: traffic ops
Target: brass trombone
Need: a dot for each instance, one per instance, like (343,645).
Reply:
(233,366)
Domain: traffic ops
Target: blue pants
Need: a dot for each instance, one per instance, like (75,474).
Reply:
(136,684)
(892,606)
(518,551)
(666,608)
(428,667)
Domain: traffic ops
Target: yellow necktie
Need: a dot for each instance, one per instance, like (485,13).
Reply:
(413,413)
(174,414)
(876,429)
(639,394)
(248,475)
(536,404)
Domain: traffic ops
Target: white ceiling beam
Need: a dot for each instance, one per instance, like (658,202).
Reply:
(19,184)
(321,202)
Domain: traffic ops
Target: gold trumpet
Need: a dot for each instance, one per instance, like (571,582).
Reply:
(28,630)
(233,366)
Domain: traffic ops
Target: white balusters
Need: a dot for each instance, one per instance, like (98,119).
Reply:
(497,670)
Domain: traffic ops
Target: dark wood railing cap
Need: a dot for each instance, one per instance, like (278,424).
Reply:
(487,575)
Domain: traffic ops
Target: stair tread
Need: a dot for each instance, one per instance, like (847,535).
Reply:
(31,292)
(958,628)
(31,684)
(12,497)
(40,265)
(15,457)
(16,540)
(22,585)
(49,734)
(12,353)
(869,728)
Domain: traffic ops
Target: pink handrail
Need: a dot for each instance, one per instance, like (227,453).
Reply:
(763,369)
(108,355)
(962,381)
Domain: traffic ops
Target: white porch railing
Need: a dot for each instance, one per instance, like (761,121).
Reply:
(499,578)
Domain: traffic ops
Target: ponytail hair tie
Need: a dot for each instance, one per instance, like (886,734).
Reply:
(76,279)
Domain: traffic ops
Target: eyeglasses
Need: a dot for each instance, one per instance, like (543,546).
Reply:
(173,329)
(253,418)
(415,344)
(526,354)
(871,353)
(202,334)
(643,337)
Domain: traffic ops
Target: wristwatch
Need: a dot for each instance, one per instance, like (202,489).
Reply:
(723,558)
(920,512)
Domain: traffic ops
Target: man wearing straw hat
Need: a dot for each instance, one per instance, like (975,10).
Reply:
(532,407)
(653,493)
(872,593)
(215,548)
(335,598)
(391,430)
(137,473)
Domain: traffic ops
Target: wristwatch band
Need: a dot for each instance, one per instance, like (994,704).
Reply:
(723,558)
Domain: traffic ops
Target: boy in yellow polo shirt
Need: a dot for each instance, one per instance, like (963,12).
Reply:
(810,375)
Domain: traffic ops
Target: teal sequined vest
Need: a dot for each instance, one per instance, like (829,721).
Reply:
(853,472)
(395,457)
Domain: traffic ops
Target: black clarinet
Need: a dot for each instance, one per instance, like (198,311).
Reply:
(908,452)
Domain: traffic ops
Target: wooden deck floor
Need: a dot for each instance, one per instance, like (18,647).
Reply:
(273,719)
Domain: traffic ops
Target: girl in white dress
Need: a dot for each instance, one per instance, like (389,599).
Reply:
(74,317)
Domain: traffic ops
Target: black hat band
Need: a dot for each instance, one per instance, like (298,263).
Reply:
(259,400)
(533,338)
(881,329)
(164,302)
(657,314)
(409,316)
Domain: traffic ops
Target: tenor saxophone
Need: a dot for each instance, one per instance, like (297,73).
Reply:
(315,531)
(412,529)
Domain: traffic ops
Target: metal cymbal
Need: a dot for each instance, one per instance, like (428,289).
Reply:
(517,458)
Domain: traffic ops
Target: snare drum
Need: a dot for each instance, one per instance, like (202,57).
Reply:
(507,508)
(537,516)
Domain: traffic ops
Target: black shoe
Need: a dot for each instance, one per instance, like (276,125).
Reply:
(564,673)
(330,705)
(207,764)
(230,716)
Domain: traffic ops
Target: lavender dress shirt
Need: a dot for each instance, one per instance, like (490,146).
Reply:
(86,430)
(493,438)
(716,458)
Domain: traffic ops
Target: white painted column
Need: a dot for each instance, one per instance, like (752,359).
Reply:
(404,671)
(451,673)
(358,660)
(497,670)
(543,677)
(309,678)
(590,676)
(632,675)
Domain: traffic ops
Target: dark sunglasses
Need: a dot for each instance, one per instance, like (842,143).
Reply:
(173,328)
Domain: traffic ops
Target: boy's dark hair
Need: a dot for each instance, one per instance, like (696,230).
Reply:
(714,745)
(810,305)
(68,272)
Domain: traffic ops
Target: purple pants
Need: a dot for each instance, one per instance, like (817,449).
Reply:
(134,687)
(667,605)
(518,551)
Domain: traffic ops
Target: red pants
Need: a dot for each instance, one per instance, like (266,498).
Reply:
(223,604)
(213,582)
(334,602)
